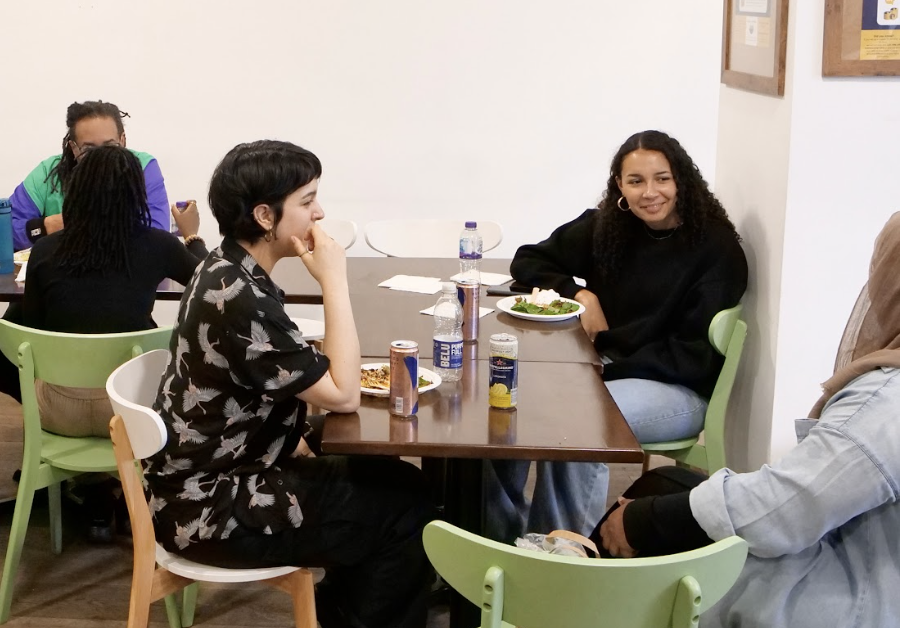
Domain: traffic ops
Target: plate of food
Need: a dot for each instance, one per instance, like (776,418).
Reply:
(375,379)
(20,257)
(541,305)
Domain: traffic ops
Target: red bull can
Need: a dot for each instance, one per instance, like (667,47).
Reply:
(469,293)
(503,384)
(404,395)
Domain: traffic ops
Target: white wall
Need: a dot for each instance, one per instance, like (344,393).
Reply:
(507,110)
(809,183)
(751,182)
(841,191)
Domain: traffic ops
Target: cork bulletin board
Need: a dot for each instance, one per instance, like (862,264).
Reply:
(754,45)
(862,38)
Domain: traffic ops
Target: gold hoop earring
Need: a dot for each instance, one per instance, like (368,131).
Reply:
(619,205)
(269,235)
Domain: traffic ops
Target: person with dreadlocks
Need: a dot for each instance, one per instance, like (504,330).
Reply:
(659,258)
(37,201)
(100,275)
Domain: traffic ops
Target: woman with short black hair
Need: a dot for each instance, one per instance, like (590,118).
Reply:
(233,486)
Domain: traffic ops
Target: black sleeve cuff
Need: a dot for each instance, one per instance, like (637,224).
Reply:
(655,526)
(197,248)
(34,229)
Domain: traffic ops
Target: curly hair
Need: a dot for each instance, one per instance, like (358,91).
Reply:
(60,175)
(105,205)
(697,207)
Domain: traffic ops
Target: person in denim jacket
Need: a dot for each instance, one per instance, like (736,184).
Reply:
(823,524)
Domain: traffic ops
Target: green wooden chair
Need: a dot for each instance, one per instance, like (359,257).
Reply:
(81,360)
(529,589)
(726,333)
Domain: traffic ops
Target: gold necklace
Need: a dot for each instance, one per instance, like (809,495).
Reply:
(665,237)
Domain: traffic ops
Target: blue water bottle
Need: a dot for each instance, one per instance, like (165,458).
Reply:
(6,239)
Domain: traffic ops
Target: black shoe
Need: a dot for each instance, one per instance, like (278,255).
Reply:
(101,533)
(328,611)
(123,520)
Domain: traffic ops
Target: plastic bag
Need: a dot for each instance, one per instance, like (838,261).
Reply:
(559,542)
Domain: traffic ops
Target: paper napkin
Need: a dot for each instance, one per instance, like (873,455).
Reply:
(412,283)
(482,311)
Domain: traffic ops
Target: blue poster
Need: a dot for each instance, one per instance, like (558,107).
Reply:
(880,15)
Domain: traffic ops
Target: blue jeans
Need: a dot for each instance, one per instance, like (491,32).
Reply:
(572,495)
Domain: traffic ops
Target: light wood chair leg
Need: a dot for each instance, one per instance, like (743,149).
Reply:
(141,594)
(189,604)
(303,595)
(54,499)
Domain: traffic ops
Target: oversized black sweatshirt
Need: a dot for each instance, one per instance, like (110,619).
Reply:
(117,300)
(658,306)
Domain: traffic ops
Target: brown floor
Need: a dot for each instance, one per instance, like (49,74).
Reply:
(88,585)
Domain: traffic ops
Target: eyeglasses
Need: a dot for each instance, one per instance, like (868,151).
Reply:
(83,148)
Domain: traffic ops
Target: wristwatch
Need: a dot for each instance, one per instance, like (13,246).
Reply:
(35,229)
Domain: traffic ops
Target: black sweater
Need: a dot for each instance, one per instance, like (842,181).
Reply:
(111,302)
(658,306)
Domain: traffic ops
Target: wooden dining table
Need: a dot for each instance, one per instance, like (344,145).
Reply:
(564,410)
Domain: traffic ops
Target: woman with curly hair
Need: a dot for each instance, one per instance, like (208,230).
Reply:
(659,258)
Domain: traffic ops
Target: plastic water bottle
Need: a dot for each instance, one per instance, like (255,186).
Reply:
(448,337)
(6,238)
(470,246)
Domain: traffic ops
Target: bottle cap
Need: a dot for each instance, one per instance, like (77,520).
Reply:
(471,224)
(448,286)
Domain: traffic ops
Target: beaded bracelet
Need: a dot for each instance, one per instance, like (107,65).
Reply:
(193,238)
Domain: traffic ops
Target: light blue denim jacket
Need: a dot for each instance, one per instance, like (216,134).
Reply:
(823,524)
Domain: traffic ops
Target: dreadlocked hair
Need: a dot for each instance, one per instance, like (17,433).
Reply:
(105,206)
(61,173)
(697,207)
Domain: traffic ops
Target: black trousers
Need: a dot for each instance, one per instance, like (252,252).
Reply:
(363,520)
(9,372)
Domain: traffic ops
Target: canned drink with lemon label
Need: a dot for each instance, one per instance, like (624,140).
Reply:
(504,371)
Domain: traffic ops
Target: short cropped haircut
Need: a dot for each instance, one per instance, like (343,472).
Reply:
(259,173)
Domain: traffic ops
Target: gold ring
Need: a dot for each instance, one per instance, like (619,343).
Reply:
(306,252)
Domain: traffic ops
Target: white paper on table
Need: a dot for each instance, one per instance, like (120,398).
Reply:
(412,283)
(482,311)
(21,276)
(487,279)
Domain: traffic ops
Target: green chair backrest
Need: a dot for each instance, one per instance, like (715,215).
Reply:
(534,590)
(82,360)
(727,333)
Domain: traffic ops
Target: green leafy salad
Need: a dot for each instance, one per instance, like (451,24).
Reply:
(555,307)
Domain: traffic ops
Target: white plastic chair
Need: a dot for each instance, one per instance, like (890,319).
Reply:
(341,231)
(138,432)
(427,238)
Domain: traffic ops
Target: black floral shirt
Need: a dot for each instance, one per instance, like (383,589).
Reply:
(228,399)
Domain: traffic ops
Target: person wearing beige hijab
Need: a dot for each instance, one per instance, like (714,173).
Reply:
(823,524)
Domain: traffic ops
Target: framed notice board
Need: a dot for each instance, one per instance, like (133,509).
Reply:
(754,45)
(862,38)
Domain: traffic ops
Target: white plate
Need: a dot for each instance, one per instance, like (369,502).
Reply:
(431,376)
(507,303)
